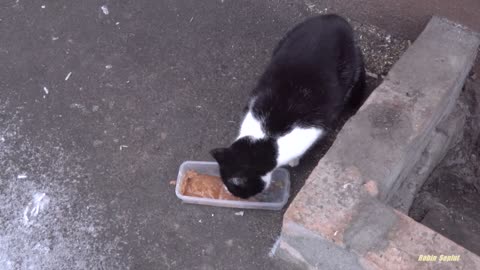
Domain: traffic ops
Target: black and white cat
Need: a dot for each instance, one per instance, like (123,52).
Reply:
(315,72)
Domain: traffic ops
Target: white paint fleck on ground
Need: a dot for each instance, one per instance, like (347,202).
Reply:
(46,221)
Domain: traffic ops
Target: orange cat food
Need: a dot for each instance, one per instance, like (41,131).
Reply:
(205,186)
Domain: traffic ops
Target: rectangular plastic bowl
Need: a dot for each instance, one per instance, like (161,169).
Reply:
(277,198)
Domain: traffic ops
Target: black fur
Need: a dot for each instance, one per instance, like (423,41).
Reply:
(315,71)
(309,77)
(243,163)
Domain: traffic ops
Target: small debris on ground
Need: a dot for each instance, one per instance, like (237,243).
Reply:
(81,107)
(473,75)
(105,10)
(97,143)
(347,185)
(21,176)
(240,213)
(45,89)
(380,49)
(108,66)
(388,38)
(36,205)
(68,76)
(123,146)
(370,74)
(173,182)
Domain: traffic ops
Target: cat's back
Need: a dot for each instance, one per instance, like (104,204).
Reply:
(324,38)
(312,56)
(303,84)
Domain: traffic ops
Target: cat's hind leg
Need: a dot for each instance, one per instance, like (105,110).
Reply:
(358,93)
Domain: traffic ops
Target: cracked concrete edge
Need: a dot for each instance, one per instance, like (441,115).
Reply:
(322,254)
(396,244)
(408,240)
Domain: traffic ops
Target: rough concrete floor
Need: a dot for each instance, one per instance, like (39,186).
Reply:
(98,108)
(406,18)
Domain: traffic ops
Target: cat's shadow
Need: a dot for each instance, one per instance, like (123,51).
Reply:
(300,173)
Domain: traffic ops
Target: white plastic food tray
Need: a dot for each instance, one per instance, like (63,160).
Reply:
(274,198)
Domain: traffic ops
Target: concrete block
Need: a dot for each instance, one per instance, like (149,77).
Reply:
(340,212)
(322,253)
(444,136)
(421,88)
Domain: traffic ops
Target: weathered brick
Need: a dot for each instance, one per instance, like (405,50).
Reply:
(340,213)
(446,134)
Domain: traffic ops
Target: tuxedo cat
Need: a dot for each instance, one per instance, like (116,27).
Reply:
(315,72)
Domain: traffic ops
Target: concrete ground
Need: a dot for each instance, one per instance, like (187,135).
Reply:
(406,18)
(99,107)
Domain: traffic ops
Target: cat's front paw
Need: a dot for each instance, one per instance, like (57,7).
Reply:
(294,162)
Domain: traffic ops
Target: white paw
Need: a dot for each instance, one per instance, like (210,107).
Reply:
(294,162)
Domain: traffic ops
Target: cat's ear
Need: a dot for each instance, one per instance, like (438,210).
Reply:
(219,154)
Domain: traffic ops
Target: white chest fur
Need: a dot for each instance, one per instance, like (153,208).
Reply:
(294,144)
(291,146)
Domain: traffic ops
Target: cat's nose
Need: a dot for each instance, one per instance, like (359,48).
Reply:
(238,181)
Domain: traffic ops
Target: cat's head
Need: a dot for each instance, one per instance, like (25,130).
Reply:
(244,166)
